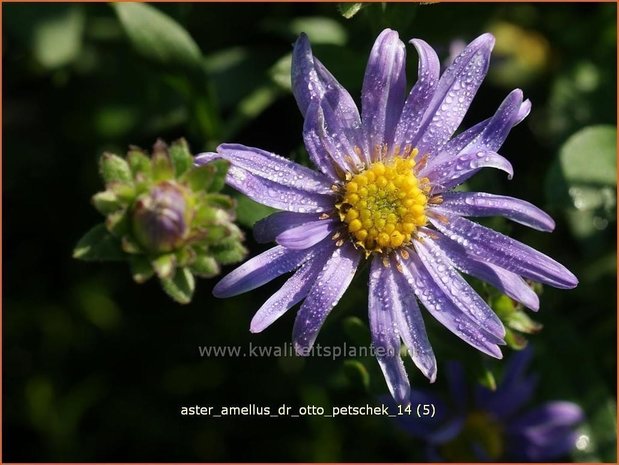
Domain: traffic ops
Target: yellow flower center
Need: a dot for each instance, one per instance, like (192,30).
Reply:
(384,205)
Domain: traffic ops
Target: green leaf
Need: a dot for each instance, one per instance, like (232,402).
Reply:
(98,244)
(158,37)
(583,181)
(248,212)
(181,286)
(181,157)
(114,169)
(348,10)
(357,331)
(58,39)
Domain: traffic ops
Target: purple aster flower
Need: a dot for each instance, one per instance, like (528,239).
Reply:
(484,425)
(383,192)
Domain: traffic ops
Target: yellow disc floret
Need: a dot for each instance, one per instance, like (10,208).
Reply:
(384,205)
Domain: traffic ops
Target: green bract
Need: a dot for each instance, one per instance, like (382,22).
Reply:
(165,217)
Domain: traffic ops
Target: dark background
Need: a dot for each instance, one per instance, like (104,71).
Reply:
(97,367)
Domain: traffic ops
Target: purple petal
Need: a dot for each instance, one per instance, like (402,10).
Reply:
(326,142)
(343,106)
(306,235)
(456,288)
(456,170)
(291,293)
(505,281)
(493,247)
(327,290)
(479,137)
(550,415)
(312,82)
(385,337)
(276,195)
(483,204)
(260,270)
(444,310)
(271,167)
(454,94)
(412,328)
(384,86)
(267,229)
(420,95)
(306,85)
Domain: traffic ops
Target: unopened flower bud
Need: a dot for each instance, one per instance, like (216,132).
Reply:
(161,218)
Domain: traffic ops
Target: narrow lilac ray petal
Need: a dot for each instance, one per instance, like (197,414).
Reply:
(524,111)
(384,86)
(456,288)
(507,400)
(327,143)
(505,281)
(412,328)
(497,129)
(267,229)
(457,170)
(472,139)
(490,246)
(275,195)
(315,144)
(385,336)
(306,86)
(292,292)
(327,290)
(306,235)
(343,106)
(444,310)
(420,95)
(455,91)
(483,204)
(260,270)
(311,82)
(271,167)
(549,415)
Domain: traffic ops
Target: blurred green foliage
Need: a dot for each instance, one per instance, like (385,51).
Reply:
(97,368)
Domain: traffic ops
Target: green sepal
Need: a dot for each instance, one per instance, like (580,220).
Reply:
(200,178)
(520,321)
(130,246)
(486,378)
(118,223)
(165,265)
(182,160)
(106,202)
(181,286)
(124,192)
(161,163)
(185,256)
(210,177)
(357,373)
(220,200)
(139,163)
(141,269)
(357,331)
(230,255)
(205,266)
(98,245)
(515,340)
(114,169)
